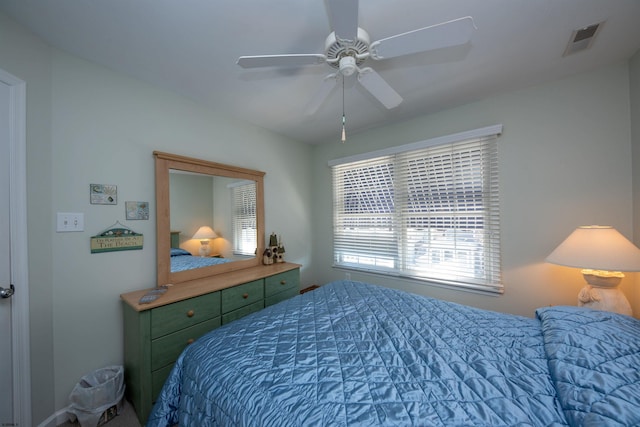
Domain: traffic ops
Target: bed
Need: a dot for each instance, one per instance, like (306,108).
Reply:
(355,354)
(182,260)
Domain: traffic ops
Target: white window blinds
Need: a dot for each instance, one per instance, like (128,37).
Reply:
(430,213)
(244,225)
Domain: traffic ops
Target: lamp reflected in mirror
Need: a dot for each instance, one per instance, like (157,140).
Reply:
(205,234)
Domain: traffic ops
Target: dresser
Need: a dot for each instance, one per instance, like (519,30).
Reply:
(155,334)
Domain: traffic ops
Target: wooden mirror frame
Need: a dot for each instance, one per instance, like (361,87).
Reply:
(164,162)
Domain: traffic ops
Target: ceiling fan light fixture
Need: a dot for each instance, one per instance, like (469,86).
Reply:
(348,66)
(335,50)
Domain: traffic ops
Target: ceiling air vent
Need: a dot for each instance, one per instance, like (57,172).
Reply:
(582,38)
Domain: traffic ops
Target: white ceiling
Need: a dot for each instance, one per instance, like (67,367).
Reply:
(191,47)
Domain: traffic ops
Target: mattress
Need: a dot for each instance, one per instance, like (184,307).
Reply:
(355,354)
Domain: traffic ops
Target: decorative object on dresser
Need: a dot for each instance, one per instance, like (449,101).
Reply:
(603,253)
(275,251)
(156,332)
(153,294)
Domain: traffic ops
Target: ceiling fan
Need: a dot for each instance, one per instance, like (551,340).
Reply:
(349,46)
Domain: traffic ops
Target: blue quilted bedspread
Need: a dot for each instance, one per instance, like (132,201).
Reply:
(350,353)
(189,262)
(594,359)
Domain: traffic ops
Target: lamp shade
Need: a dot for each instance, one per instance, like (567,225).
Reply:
(599,248)
(205,232)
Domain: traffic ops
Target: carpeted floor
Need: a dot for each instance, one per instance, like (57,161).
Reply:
(126,418)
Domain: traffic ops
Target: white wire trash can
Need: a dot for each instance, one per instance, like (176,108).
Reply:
(97,397)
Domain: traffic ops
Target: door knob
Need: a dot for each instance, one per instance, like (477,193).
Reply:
(7,293)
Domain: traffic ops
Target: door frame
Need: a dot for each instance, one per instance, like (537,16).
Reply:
(19,254)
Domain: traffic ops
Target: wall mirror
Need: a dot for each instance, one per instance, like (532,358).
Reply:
(210,218)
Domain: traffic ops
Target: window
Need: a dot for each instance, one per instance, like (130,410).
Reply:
(428,210)
(245,231)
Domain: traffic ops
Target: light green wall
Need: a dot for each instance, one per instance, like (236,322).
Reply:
(105,127)
(564,159)
(87,124)
(29,59)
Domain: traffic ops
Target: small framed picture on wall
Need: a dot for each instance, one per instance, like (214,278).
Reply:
(137,210)
(103,194)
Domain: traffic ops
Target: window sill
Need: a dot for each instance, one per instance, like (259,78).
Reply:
(495,290)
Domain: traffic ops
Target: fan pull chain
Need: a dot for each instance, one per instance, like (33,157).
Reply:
(344,133)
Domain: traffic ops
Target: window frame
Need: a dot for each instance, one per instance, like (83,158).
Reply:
(397,210)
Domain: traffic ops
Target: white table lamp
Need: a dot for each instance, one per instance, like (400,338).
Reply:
(603,254)
(203,234)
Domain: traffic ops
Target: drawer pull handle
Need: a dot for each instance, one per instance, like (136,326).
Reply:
(190,341)
(283,282)
(190,313)
(245,296)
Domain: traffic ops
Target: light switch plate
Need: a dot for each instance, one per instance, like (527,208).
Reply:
(69,221)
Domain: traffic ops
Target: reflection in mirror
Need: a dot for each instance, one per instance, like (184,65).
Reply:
(221,210)
(210,218)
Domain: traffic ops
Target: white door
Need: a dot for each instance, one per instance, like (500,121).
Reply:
(6,353)
(15,400)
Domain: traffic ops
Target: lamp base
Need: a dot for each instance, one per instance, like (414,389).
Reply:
(602,293)
(204,249)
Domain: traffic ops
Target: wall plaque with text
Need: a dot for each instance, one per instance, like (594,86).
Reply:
(116,239)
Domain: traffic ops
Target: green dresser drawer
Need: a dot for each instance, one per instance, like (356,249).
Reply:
(165,350)
(241,295)
(157,381)
(274,299)
(282,282)
(243,311)
(182,314)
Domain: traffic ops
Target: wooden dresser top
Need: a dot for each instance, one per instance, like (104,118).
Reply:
(206,285)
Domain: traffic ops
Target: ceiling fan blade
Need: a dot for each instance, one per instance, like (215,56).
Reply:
(445,34)
(343,17)
(323,92)
(291,60)
(379,88)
